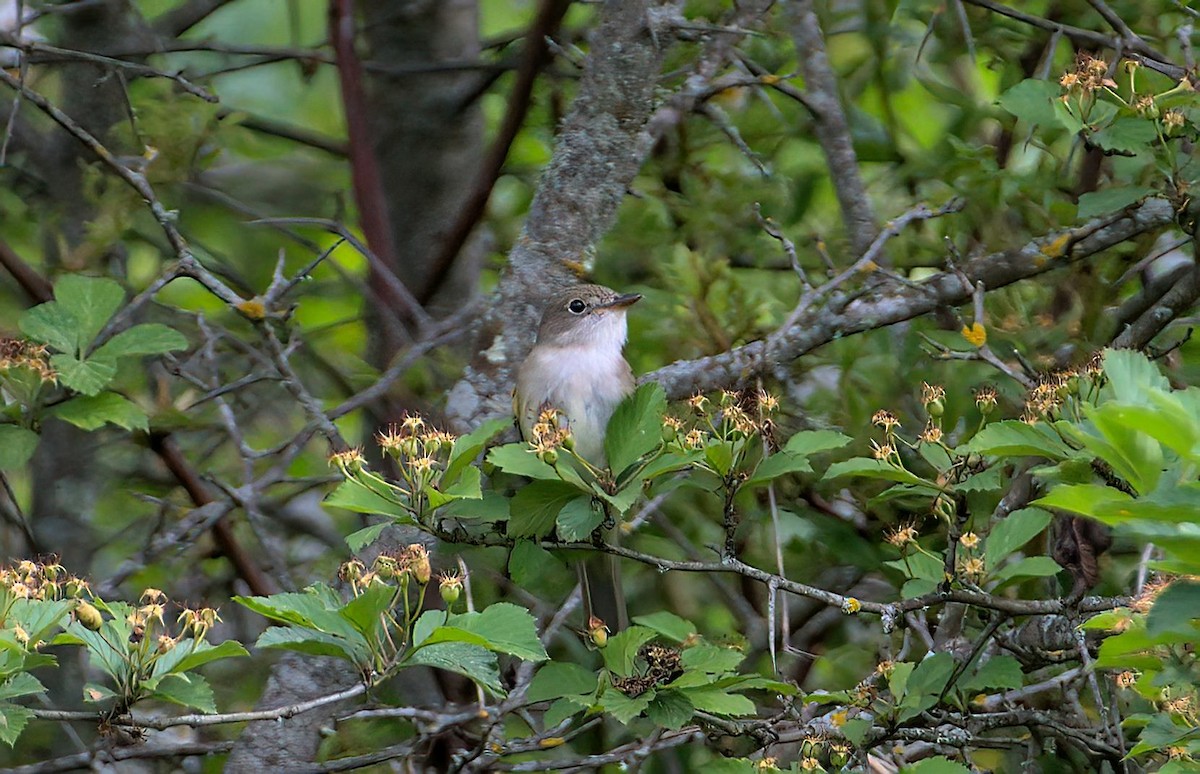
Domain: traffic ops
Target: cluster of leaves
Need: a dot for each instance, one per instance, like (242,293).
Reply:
(383,626)
(70,327)
(659,670)
(1143,117)
(41,604)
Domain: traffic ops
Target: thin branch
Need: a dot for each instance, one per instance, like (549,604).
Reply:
(535,56)
(846,315)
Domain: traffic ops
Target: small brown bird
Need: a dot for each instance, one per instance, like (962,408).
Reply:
(576,366)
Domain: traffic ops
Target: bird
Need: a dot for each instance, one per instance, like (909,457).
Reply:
(577,366)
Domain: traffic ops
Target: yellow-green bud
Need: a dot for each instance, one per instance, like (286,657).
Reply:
(936,408)
(669,433)
(88,616)
(548,456)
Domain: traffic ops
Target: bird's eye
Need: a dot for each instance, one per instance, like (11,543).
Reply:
(576,306)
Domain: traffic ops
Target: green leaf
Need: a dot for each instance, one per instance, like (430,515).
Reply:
(1029,567)
(1126,135)
(94,411)
(53,325)
(719,455)
(1098,203)
(468,486)
(856,730)
(91,300)
(467,447)
(1014,531)
(670,709)
(557,679)
(1013,438)
(353,496)
(1002,673)
(624,708)
(578,518)
(188,690)
(808,442)
(479,664)
(365,611)
(310,642)
(719,702)
(13,719)
(711,659)
(622,649)
(506,627)
(635,427)
(360,539)
(533,510)
(85,376)
(562,709)
(1032,100)
(1084,499)
(1132,377)
(519,459)
(925,684)
(145,339)
(17,445)
(1175,609)
(778,464)
(867,467)
(205,653)
(534,568)
(667,624)
(20,684)
(936,765)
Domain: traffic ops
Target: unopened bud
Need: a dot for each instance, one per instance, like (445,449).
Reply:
(548,456)
(88,616)
(450,587)
(936,408)
(597,632)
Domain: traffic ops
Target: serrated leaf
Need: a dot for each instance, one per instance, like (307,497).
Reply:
(533,510)
(141,340)
(1029,567)
(91,300)
(711,659)
(205,653)
(635,427)
(925,684)
(533,568)
(353,496)
(17,445)
(84,376)
(1127,135)
(13,719)
(506,627)
(625,708)
(188,690)
(20,684)
(91,412)
(1175,609)
(519,459)
(557,679)
(1032,100)
(867,467)
(1014,531)
(621,651)
(310,642)
(472,661)
(1001,673)
(1096,203)
(578,518)
(1013,438)
(467,447)
(52,325)
(778,464)
(360,539)
(809,442)
(667,624)
(936,765)
(719,702)
(670,709)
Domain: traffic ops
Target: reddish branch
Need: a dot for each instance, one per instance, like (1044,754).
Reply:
(364,168)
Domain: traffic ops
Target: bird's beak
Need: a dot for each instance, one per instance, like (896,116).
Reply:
(621,302)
